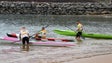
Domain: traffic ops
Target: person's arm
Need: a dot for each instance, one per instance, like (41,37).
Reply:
(77,28)
(39,32)
(20,36)
(28,33)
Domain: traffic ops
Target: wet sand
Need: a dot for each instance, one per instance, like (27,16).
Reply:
(95,59)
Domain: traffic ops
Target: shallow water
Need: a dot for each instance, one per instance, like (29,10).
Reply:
(12,53)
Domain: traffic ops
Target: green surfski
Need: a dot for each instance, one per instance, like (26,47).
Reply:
(89,35)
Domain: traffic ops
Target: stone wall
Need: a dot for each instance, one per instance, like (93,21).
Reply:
(49,8)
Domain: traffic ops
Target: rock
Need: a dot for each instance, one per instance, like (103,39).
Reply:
(48,8)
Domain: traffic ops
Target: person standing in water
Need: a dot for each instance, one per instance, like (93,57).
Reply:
(79,30)
(24,36)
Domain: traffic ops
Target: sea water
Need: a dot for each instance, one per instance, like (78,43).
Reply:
(11,52)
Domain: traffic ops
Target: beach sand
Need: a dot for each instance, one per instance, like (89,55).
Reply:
(95,59)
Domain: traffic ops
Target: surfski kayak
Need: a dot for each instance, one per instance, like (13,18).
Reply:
(48,43)
(49,39)
(89,35)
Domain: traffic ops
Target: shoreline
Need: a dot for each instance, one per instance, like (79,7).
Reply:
(95,59)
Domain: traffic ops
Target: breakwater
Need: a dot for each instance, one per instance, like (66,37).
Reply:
(55,8)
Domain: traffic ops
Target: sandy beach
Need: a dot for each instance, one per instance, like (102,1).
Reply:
(95,59)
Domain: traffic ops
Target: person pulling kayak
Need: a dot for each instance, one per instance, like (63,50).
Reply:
(24,36)
(79,30)
(41,34)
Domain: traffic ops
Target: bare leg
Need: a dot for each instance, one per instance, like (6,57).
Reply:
(27,47)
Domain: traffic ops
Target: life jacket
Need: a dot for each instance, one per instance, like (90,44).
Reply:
(42,33)
(80,27)
(24,33)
